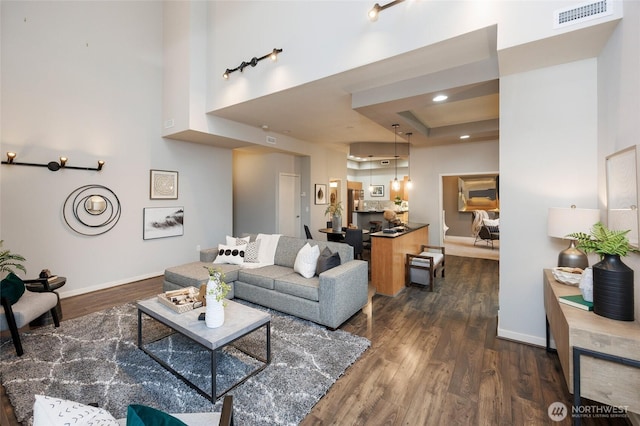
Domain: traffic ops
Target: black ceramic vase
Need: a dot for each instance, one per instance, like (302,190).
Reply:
(613,289)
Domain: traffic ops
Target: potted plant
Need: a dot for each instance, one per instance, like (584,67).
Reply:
(217,290)
(335,212)
(612,279)
(9,260)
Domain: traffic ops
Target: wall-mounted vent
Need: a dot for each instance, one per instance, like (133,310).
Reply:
(583,12)
(271,140)
(385,162)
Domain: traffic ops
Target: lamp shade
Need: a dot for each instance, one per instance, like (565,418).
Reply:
(564,221)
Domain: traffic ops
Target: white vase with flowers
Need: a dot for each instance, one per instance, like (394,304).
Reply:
(217,290)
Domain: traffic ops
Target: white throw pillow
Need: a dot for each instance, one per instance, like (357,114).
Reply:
(307,260)
(232,254)
(237,241)
(48,411)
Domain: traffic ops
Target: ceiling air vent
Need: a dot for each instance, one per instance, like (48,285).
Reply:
(583,12)
(385,162)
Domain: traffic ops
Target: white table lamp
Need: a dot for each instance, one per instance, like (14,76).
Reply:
(564,221)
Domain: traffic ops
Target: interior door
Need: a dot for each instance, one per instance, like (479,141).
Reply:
(289,205)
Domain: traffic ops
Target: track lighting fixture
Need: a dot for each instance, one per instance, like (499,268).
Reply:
(51,165)
(375,11)
(253,62)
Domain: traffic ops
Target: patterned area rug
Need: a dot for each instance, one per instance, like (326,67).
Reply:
(95,359)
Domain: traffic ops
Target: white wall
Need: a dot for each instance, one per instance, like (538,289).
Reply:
(84,80)
(255,185)
(619,105)
(548,158)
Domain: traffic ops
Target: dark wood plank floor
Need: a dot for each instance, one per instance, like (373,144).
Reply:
(434,358)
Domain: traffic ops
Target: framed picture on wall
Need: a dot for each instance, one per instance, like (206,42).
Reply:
(377,190)
(161,222)
(320,192)
(163,185)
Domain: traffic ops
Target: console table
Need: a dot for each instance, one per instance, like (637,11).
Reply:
(604,353)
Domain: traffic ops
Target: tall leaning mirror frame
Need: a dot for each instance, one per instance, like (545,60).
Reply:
(623,175)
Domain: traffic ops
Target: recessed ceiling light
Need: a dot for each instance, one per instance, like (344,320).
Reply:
(464,137)
(440,98)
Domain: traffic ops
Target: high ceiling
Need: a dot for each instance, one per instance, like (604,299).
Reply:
(361,105)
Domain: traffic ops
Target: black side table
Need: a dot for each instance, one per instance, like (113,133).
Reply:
(41,285)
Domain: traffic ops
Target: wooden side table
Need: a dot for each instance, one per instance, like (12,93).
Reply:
(41,285)
(599,356)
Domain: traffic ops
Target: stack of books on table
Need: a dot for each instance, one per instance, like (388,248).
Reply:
(577,301)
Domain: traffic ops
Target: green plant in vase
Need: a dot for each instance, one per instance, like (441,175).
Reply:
(334,209)
(612,279)
(217,286)
(335,212)
(604,241)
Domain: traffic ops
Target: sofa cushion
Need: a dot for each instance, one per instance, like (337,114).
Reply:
(230,254)
(327,260)
(296,285)
(307,261)
(195,274)
(287,250)
(263,277)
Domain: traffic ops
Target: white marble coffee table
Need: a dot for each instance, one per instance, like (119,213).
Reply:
(239,321)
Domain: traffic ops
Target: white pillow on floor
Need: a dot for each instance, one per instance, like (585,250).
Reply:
(49,411)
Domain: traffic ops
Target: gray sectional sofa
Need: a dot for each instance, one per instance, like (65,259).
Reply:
(328,299)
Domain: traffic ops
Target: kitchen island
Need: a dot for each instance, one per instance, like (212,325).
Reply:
(388,252)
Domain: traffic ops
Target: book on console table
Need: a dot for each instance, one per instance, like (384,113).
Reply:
(577,301)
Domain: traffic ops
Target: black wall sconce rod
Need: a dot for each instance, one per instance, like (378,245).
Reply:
(54,166)
(253,62)
(373,13)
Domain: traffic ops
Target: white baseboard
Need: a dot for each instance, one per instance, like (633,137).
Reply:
(64,294)
(522,338)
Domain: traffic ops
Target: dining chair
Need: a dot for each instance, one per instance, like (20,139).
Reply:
(308,232)
(353,237)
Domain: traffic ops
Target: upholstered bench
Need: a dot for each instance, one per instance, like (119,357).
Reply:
(422,268)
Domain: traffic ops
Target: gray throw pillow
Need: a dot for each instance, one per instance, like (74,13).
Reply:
(327,260)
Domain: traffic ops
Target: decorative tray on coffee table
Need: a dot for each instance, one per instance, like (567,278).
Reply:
(182,300)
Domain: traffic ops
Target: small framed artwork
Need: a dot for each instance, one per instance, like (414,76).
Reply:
(320,192)
(377,191)
(161,222)
(163,185)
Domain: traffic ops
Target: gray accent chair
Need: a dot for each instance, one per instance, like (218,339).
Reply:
(30,306)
